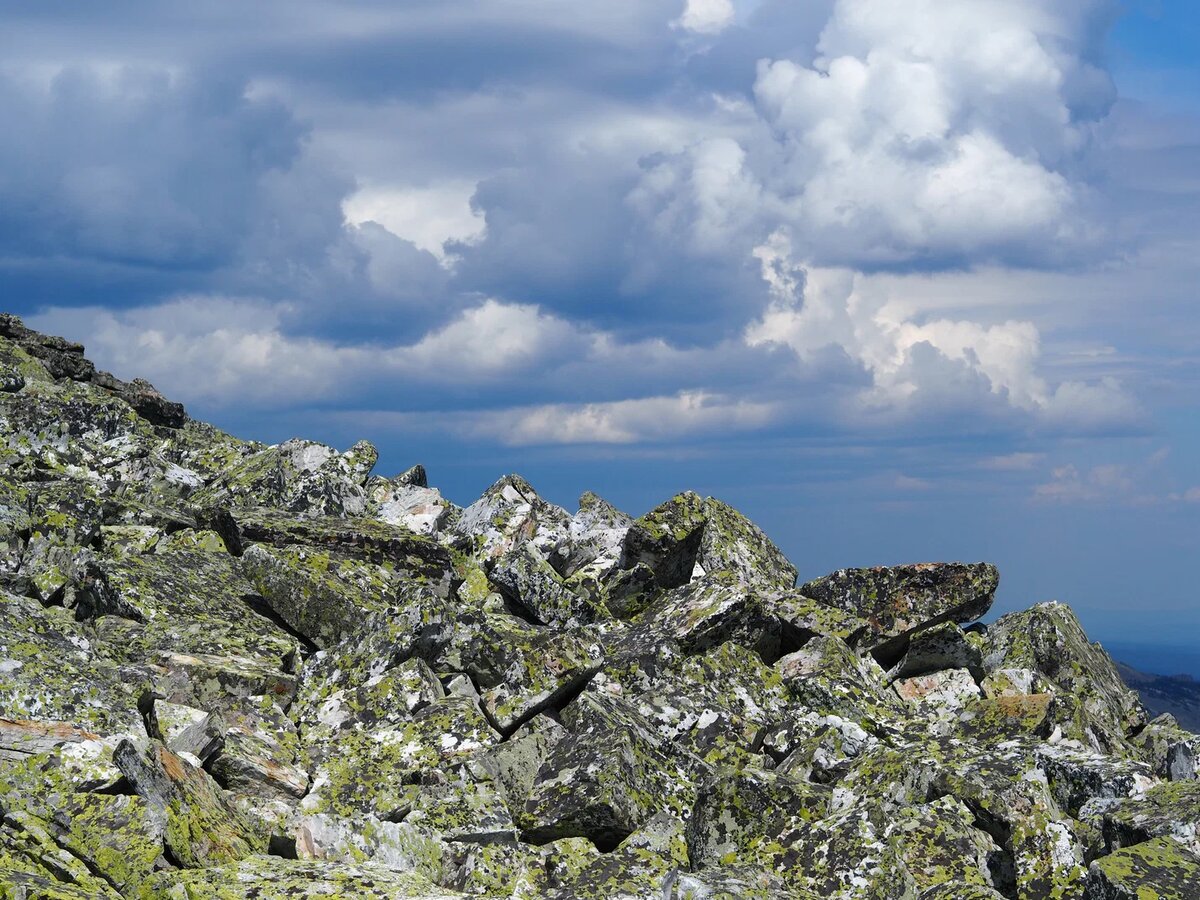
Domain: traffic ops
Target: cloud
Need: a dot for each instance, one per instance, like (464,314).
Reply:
(132,165)
(1068,485)
(668,418)
(1141,481)
(706,16)
(214,351)
(940,365)
(1012,462)
(490,339)
(921,133)
(840,235)
(428,217)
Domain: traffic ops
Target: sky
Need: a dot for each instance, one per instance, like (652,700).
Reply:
(900,279)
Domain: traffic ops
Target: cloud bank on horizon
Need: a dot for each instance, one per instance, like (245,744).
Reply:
(631,225)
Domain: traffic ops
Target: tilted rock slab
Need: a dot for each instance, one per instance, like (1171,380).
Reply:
(243,671)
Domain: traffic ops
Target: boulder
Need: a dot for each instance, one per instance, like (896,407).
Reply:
(900,601)
(1090,702)
(299,476)
(200,828)
(271,878)
(236,670)
(1158,868)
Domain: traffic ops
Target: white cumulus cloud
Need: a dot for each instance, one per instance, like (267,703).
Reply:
(916,364)
(921,131)
(624,421)
(706,16)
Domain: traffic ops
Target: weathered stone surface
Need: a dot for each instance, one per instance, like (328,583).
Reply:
(1173,754)
(216,656)
(397,846)
(639,867)
(509,514)
(1159,869)
(1090,703)
(200,828)
(528,581)
(182,602)
(689,536)
(271,878)
(321,594)
(50,672)
(601,785)
(1171,810)
(520,669)
(899,601)
(117,838)
(948,689)
(409,502)
(829,677)
(299,476)
(378,770)
(939,843)
(944,646)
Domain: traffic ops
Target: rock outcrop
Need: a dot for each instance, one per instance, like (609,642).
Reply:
(238,671)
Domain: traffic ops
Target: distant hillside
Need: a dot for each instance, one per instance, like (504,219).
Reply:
(1178,695)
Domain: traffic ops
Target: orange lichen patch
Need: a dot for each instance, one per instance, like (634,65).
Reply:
(172,764)
(62,730)
(1018,706)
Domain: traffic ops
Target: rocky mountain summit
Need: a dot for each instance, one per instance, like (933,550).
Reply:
(229,670)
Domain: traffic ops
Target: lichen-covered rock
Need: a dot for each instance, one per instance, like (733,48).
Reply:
(362,837)
(50,672)
(512,767)
(710,611)
(829,677)
(1173,754)
(730,883)
(321,594)
(26,884)
(1077,777)
(601,784)
(33,865)
(944,646)
(258,760)
(949,689)
(236,671)
(200,828)
(640,867)
(509,514)
(1159,869)
(716,705)
(739,813)
(1171,810)
(408,501)
(299,476)
(498,870)
(182,602)
(1091,703)
(667,540)
(528,581)
(520,669)
(689,536)
(271,878)
(1041,850)
(940,843)
(899,601)
(378,770)
(117,838)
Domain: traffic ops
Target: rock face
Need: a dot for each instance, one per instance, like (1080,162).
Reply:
(231,670)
